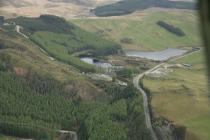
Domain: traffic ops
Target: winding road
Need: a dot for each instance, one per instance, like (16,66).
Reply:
(145,100)
(18,28)
(136,80)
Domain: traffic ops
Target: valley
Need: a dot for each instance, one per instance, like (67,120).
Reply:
(138,76)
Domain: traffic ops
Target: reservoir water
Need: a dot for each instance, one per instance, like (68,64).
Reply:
(92,61)
(157,55)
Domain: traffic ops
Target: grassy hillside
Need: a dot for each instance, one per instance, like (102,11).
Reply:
(141,31)
(24,56)
(182,97)
(61,39)
(128,6)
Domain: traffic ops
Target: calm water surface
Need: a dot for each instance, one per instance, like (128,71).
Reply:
(91,61)
(157,55)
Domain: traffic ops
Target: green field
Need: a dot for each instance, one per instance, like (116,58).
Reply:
(142,31)
(182,97)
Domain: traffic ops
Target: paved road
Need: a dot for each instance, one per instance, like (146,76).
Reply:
(17,28)
(145,101)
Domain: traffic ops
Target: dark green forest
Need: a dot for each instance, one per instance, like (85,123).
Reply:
(1,20)
(175,30)
(37,106)
(128,6)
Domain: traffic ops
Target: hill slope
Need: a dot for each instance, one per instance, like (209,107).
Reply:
(139,31)
(63,8)
(129,6)
(61,39)
(39,96)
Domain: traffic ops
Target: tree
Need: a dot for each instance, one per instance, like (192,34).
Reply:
(204,10)
(1,20)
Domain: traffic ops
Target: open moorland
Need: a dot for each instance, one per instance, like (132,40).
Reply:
(139,31)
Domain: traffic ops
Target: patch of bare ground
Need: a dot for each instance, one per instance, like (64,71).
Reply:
(84,90)
(20,71)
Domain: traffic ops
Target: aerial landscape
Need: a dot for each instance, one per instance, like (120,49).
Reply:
(102,70)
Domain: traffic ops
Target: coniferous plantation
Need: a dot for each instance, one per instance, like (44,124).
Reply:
(36,105)
(39,109)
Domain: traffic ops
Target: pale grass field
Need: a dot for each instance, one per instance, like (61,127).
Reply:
(183,97)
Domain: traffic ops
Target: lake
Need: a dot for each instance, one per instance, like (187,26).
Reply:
(92,61)
(157,55)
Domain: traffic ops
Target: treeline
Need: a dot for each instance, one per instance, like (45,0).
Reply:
(125,111)
(44,23)
(129,6)
(1,20)
(175,30)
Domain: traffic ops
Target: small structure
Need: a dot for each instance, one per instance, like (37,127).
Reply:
(187,65)
(51,58)
(121,83)
(6,24)
(195,48)
(102,77)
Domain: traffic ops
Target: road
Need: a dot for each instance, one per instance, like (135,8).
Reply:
(136,80)
(17,28)
(145,101)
